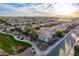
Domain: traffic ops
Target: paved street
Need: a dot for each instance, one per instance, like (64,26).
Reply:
(69,39)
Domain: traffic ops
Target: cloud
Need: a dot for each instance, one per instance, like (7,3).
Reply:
(29,9)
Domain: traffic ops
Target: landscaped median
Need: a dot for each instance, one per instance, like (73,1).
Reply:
(10,46)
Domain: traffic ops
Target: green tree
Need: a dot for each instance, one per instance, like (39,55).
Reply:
(27,28)
(33,34)
(30,30)
(29,24)
(59,34)
(76,48)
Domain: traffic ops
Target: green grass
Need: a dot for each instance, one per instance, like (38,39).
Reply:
(12,46)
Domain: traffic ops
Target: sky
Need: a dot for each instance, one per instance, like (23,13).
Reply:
(37,9)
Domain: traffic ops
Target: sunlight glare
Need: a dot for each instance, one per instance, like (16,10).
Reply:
(64,9)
